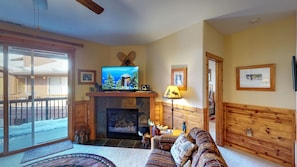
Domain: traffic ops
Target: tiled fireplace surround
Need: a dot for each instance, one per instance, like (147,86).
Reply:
(100,101)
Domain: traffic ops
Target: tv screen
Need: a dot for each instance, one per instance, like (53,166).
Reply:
(119,78)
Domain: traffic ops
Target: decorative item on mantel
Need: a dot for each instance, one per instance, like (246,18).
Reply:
(156,127)
(98,87)
(127,60)
(172,93)
(184,127)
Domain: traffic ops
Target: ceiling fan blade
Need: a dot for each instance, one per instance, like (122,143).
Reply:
(40,4)
(91,5)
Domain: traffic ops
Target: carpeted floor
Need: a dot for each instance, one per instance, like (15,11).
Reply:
(123,157)
(126,143)
(65,145)
(46,150)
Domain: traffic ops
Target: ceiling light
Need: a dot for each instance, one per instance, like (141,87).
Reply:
(254,20)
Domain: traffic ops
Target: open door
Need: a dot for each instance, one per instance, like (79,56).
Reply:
(216,96)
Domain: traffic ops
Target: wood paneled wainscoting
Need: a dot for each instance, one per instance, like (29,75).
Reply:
(80,114)
(264,131)
(194,117)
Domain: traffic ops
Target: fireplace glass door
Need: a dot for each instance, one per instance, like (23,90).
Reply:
(122,123)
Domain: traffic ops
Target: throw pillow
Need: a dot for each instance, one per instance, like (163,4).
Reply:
(182,150)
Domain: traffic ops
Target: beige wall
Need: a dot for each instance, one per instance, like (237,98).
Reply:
(91,57)
(182,48)
(94,56)
(213,41)
(270,43)
(140,59)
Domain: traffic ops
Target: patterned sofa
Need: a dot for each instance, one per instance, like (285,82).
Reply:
(196,149)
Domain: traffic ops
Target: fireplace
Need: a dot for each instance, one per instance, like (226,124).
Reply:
(122,123)
(101,101)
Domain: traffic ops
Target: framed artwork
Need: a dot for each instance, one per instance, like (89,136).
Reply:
(179,78)
(257,77)
(86,76)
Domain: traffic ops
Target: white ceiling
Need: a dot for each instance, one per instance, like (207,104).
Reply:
(137,22)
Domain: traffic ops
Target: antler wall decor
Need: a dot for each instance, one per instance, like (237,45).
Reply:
(127,60)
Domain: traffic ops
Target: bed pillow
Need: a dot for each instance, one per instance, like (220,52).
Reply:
(182,150)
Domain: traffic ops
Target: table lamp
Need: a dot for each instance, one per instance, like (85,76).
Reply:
(172,93)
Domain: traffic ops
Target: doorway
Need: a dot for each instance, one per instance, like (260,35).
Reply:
(214,94)
(29,115)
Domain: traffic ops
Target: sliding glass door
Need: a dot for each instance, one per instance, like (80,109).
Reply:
(37,97)
(1,104)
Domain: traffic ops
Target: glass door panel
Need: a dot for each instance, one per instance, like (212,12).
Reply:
(1,104)
(20,103)
(51,109)
(35,116)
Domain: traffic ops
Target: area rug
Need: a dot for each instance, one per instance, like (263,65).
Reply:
(74,160)
(46,150)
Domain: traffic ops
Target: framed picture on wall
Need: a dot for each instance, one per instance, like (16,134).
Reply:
(179,78)
(257,77)
(86,76)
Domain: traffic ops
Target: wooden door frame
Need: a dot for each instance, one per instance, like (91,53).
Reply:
(219,115)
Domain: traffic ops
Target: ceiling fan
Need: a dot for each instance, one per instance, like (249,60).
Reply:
(93,6)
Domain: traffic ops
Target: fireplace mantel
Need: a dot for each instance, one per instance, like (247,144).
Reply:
(123,94)
(115,94)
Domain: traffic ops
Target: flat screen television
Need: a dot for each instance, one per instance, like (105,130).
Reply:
(120,78)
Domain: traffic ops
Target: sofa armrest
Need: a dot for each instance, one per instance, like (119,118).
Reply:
(163,142)
(155,142)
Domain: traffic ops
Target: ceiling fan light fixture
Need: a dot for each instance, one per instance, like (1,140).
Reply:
(40,4)
(254,20)
(91,5)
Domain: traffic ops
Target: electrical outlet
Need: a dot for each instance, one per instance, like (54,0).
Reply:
(249,132)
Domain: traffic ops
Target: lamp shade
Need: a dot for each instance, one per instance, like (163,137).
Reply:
(172,92)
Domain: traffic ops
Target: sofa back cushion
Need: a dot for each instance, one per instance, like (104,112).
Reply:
(207,154)
(194,132)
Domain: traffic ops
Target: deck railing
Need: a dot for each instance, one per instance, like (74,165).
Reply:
(26,110)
